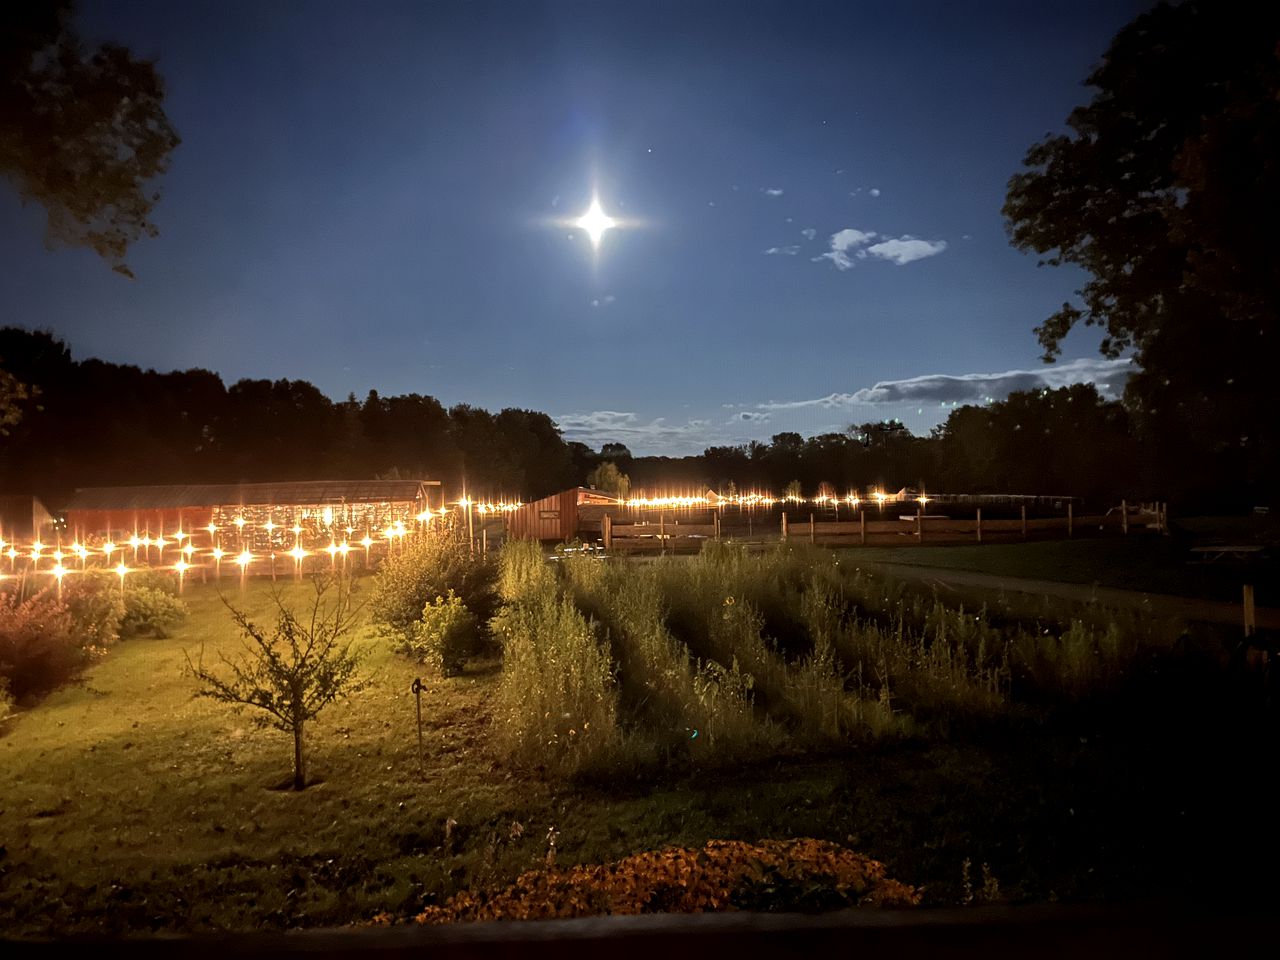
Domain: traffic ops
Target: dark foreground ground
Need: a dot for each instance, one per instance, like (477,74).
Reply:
(128,808)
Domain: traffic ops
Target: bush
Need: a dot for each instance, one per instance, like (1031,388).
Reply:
(97,610)
(150,611)
(6,701)
(445,636)
(39,649)
(423,568)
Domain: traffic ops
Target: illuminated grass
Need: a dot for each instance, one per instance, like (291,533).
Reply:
(128,806)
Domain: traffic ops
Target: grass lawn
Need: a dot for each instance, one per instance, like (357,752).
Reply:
(128,806)
(1146,563)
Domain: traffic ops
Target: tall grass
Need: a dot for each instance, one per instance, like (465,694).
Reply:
(685,704)
(557,702)
(732,655)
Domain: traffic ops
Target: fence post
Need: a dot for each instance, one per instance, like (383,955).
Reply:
(606,532)
(662,531)
(1250,622)
(716,519)
(1024,521)
(920,524)
(1124,517)
(862,526)
(811,528)
(1070,519)
(979,524)
(784,524)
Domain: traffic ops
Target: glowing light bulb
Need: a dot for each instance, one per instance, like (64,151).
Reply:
(121,570)
(244,559)
(239,522)
(297,553)
(108,548)
(182,566)
(218,553)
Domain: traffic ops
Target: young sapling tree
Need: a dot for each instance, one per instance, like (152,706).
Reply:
(292,672)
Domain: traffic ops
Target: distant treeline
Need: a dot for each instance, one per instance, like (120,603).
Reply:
(95,423)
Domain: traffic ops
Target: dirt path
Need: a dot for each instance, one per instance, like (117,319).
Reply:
(1158,604)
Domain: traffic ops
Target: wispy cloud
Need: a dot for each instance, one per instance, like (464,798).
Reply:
(844,243)
(808,233)
(771,191)
(905,249)
(603,301)
(748,416)
(616,426)
(1108,375)
(874,191)
(788,251)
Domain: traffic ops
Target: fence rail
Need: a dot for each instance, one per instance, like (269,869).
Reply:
(917,528)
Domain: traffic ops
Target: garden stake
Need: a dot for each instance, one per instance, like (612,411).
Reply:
(417,696)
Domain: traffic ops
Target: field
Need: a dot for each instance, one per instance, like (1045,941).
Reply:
(995,761)
(1149,564)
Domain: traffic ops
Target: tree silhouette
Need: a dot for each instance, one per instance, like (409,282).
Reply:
(82,132)
(1165,191)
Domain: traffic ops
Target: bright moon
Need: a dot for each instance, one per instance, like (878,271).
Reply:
(595,222)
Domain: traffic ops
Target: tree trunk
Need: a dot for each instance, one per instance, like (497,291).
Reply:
(299,761)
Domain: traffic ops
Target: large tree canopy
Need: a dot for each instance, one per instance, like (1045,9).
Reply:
(1166,191)
(82,132)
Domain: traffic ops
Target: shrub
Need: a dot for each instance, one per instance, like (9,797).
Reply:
(39,649)
(97,610)
(423,568)
(6,701)
(445,636)
(150,611)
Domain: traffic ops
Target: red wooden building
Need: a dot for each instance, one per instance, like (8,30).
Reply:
(562,516)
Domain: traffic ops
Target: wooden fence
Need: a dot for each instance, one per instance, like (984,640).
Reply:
(910,529)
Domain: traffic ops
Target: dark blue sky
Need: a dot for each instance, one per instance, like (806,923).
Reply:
(366,197)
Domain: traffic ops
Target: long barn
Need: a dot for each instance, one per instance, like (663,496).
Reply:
(319,507)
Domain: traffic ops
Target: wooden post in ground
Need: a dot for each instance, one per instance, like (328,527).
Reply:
(862,526)
(784,524)
(1124,517)
(1250,620)
(1024,521)
(484,541)
(1070,519)
(920,523)
(811,528)
(716,519)
(662,531)
(606,531)
(979,526)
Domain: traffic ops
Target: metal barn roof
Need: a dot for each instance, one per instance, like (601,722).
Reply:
(246,494)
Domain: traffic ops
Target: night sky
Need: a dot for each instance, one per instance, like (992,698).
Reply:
(369,196)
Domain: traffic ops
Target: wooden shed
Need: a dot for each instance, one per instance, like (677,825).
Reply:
(557,517)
